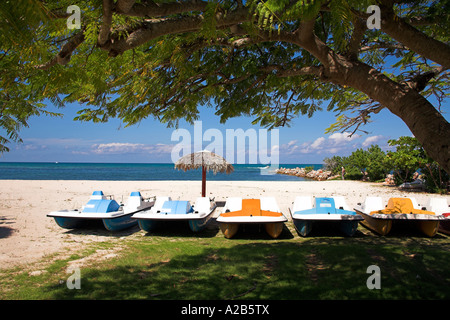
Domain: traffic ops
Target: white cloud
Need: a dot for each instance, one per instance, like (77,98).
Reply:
(317,143)
(342,144)
(340,138)
(34,147)
(371,140)
(333,150)
(60,142)
(288,148)
(115,147)
(120,148)
(275,148)
(334,144)
(291,143)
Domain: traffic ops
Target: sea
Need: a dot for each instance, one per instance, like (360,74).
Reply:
(135,172)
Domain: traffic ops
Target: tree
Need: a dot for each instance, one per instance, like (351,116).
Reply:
(410,157)
(333,164)
(273,60)
(365,164)
(18,98)
(356,164)
(407,158)
(436,179)
(376,168)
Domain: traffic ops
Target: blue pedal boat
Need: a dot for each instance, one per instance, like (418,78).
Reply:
(166,209)
(333,209)
(115,216)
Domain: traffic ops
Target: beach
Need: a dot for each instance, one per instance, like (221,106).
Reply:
(27,234)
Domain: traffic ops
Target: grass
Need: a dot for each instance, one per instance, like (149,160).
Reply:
(177,264)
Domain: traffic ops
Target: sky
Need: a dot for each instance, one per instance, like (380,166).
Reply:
(52,139)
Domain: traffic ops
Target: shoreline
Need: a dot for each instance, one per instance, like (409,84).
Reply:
(27,234)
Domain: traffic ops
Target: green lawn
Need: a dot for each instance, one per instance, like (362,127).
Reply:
(178,264)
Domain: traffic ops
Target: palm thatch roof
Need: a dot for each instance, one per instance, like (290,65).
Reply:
(206,159)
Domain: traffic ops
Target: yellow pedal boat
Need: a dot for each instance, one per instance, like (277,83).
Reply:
(398,210)
(239,211)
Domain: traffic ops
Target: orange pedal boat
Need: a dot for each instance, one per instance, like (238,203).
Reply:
(398,210)
(239,211)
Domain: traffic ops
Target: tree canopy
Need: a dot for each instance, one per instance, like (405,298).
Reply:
(274,60)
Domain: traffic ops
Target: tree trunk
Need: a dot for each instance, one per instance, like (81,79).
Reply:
(425,122)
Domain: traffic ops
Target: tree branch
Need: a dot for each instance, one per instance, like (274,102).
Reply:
(383,45)
(124,6)
(151,9)
(306,30)
(420,81)
(414,39)
(357,36)
(149,30)
(103,34)
(292,72)
(63,57)
(305,38)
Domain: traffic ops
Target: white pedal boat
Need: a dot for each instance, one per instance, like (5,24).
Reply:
(166,209)
(114,216)
(334,209)
(239,211)
(442,209)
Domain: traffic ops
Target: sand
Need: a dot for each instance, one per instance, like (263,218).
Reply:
(27,234)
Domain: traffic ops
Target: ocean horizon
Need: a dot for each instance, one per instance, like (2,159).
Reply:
(135,172)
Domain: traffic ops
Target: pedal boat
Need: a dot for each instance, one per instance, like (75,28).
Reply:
(263,211)
(441,208)
(331,209)
(115,216)
(166,209)
(398,210)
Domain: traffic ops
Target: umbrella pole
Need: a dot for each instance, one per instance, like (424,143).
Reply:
(203,181)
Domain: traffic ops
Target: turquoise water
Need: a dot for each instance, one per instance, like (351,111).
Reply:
(132,172)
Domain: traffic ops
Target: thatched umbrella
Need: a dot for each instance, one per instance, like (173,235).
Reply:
(208,161)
